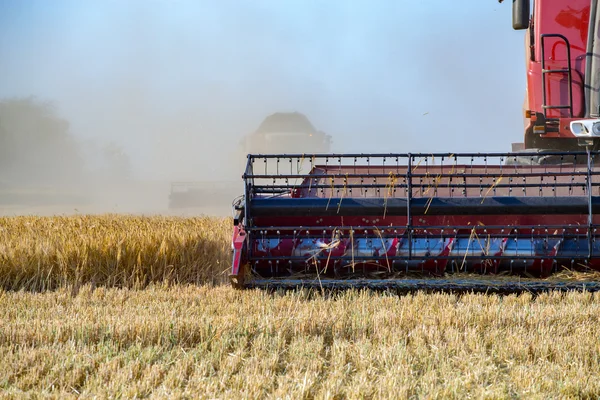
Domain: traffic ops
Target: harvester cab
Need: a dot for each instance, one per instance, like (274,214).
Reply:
(440,221)
(562,105)
(283,132)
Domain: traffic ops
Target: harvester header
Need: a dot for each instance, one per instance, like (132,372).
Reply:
(375,219)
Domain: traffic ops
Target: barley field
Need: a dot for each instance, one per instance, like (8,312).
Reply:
(132,307)
(43,253)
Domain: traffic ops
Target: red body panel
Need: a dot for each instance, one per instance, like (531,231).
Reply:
(570,19)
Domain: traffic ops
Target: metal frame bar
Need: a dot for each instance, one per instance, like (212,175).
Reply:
(409,221)
(248,183)
(590,166)
(421,175)
(410,257)
(420,155)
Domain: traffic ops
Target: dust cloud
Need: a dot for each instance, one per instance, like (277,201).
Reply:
(141,94)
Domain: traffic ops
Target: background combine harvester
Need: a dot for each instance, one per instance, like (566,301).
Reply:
(279,132)
(374,219)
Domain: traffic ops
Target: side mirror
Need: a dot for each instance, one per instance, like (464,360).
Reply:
(520,14)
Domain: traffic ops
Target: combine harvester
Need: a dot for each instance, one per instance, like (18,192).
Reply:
(279,132)
(476,222)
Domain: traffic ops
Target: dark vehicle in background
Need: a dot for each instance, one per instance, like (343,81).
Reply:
(281,132)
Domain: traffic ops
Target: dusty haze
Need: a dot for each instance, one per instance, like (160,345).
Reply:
(175,85)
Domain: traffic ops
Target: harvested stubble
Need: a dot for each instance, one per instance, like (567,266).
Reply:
(215,342)
(186,341)
(41,253)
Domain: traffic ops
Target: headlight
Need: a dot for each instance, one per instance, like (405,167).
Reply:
(577,128)
(586,128)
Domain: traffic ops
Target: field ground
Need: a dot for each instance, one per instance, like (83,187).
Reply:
(126,306)
(191,341)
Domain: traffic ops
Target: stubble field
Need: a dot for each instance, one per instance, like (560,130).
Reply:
(115,306)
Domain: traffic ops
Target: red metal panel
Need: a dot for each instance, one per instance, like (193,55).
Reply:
(570,19)
(239,237)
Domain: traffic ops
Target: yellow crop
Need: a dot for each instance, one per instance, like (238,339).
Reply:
(40,253)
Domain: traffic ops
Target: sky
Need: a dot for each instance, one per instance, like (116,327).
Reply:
(177,83)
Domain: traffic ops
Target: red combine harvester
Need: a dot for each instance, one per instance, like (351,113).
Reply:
(438,221)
